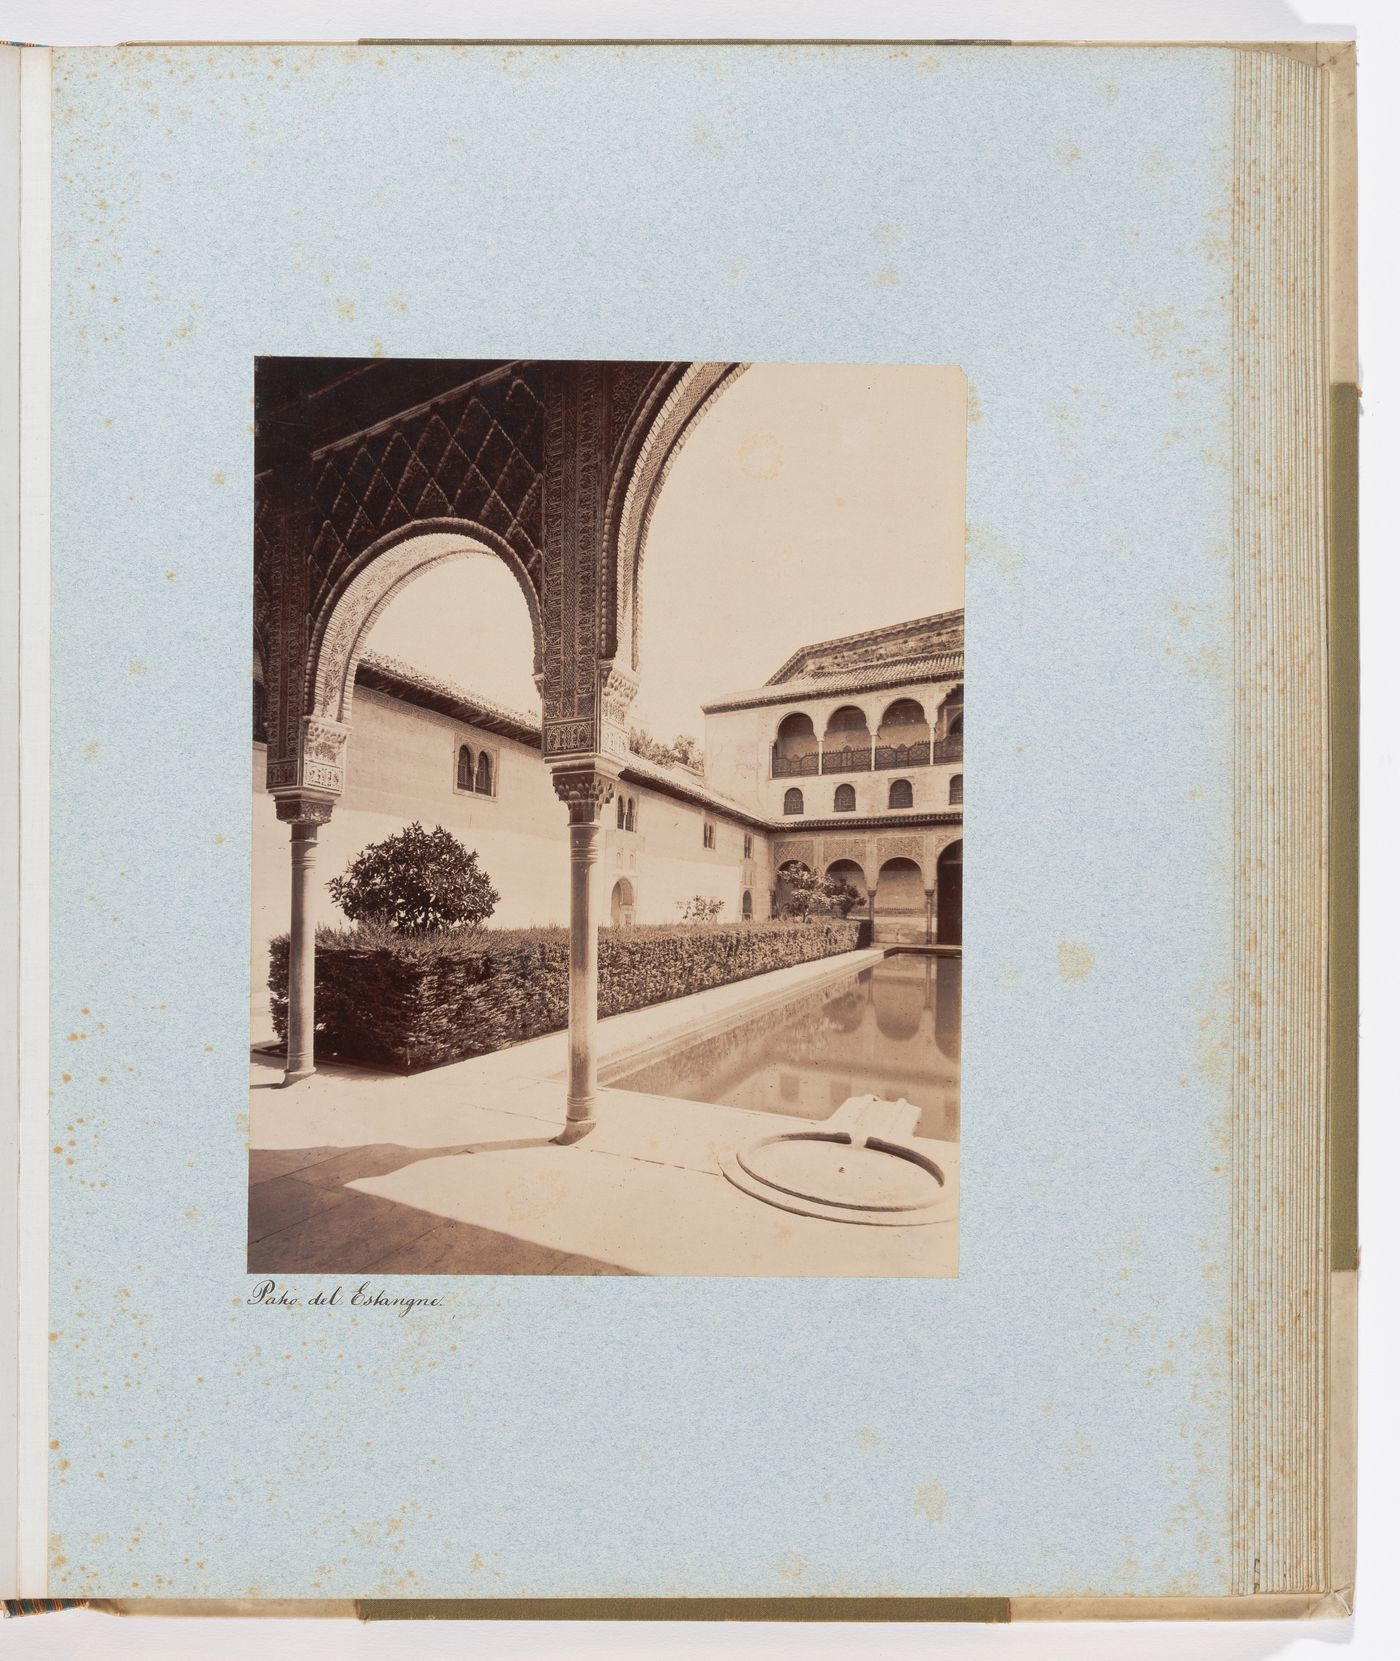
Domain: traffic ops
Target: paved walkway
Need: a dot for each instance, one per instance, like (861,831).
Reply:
(455,1171)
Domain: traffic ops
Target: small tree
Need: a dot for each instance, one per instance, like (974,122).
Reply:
(699,909)
(415,881)
(809,895)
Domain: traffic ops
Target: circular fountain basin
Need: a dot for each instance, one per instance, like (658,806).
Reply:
(840,1178)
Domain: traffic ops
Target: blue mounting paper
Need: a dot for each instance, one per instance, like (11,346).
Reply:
(1056,1419)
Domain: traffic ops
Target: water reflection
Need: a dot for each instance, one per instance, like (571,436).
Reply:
(893,1030)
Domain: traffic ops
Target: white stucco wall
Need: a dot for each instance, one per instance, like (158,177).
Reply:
(666,860)
(401,766)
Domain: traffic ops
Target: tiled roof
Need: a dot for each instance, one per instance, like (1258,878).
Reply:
(794,825)
(403,680)
(680,781)
(870,677)
(940,631)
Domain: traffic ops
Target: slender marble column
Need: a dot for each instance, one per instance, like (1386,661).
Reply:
(584,789)
(306,816)
(928,916)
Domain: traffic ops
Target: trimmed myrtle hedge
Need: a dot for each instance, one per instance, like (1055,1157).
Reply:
(414,1001)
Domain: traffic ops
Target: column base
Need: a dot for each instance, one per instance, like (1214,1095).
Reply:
(296,1078)
(574,1131)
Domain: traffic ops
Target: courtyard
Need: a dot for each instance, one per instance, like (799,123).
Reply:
(457,1171)
(557,985)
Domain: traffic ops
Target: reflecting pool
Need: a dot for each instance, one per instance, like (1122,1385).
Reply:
(892,1030)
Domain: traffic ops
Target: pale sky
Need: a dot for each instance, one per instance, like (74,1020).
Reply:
(809,501)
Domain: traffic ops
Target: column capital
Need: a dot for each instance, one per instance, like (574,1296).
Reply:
(584,787)
(303,807)
(316,764)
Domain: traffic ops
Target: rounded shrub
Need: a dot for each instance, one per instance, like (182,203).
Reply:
(415,881)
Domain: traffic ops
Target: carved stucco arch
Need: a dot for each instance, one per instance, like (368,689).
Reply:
(342,628)
(667,414)
(788,715)
(802,849)
(845,859)
(906,698)
(945,699)
(914,849)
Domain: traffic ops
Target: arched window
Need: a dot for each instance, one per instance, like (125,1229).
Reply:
(483,774)
(845,798)
(709,837)
(748,906)
(955,790)
(622,813)
(901,793)
(631,813)
(464,768)
(792,801)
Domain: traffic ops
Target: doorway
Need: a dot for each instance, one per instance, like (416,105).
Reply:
(950,895)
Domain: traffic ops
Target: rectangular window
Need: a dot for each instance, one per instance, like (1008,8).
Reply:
(748,844)
(709,834)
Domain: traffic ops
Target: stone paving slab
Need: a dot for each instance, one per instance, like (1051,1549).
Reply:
(362,1229)
(467,1249)
(373,1160)
(285,1201)
(265,1163)
(655,1219)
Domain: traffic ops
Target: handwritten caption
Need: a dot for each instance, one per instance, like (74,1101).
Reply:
(364,1296)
